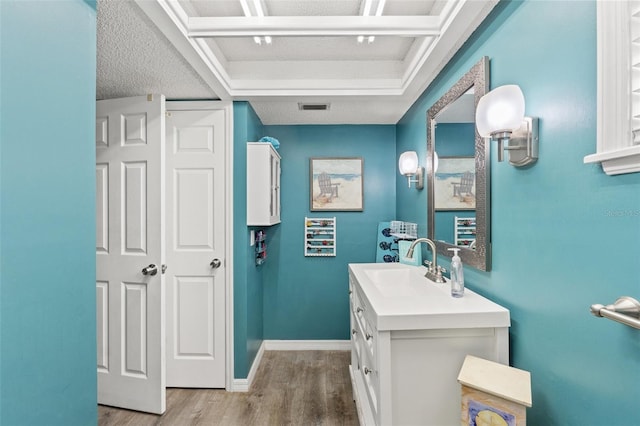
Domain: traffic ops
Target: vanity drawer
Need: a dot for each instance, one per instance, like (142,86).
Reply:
(351,286)
(369,372)
(363,354)
(362,316)
(356,343)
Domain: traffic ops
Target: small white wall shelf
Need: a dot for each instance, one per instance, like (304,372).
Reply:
(465,231)
(319,236)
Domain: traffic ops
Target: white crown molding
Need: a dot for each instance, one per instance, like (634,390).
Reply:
(398,83)
(332,87)
(313,26)
(318,70)
(460,20)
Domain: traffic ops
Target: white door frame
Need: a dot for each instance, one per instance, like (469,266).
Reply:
(227,107)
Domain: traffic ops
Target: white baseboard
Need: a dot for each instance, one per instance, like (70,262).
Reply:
(307,345)
(243,385)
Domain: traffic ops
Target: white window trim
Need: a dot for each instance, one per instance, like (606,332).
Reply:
(615,148)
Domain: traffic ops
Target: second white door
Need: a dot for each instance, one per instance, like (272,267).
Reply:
(195,247)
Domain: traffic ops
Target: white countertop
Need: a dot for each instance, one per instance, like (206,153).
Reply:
(403,299)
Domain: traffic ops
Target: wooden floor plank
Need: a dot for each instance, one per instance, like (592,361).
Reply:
(290,388)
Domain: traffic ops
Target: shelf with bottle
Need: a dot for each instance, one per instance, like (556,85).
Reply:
(261,246)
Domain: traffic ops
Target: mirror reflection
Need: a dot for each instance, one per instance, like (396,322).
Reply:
(455,176)
(458,172)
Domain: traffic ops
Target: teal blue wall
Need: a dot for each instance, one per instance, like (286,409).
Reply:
(247,285)
(47,213)
(564,234)
(307,297)
(455,139)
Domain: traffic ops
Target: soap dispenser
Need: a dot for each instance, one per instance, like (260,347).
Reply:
(457,275)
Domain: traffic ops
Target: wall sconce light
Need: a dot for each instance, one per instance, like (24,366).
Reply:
(409,167)
(500,116)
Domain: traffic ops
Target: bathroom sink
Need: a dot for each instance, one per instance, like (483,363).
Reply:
(392,282)
(403,298)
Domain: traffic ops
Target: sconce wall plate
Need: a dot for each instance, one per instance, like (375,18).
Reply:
(523,143)
(419,179)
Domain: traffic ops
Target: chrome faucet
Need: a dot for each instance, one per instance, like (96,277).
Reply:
(434,272)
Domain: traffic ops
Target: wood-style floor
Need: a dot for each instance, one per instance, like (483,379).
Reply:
(290,388)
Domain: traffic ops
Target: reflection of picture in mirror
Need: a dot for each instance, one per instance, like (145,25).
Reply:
(455,184)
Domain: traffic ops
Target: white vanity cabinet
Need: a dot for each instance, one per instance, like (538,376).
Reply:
(263,184)
(409,340)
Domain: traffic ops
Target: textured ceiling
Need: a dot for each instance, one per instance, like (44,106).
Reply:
(206,49)
(135,58)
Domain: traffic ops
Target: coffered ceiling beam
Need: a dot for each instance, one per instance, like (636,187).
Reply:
(317,26)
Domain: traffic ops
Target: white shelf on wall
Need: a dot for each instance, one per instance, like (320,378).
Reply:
(319,236)
(464,231)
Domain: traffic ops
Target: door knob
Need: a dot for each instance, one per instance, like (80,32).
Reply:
(216,263)
(150,270)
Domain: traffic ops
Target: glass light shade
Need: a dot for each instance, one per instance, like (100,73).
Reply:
(408,163)
(500,110)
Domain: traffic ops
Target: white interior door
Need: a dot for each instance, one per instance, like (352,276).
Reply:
(195,248)
(129,237)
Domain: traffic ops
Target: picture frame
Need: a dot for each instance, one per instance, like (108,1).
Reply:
(336,184)
(455,184)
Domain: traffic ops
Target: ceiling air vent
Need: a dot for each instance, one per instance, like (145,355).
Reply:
(313,107)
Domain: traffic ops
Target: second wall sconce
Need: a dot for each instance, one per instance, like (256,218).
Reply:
(500,116)
(409,167)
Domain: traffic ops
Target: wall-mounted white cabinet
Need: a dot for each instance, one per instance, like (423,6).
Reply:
(263,184)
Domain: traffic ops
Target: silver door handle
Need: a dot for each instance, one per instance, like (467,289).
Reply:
(150,270)
(216,263)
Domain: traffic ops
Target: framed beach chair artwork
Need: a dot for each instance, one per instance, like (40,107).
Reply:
(336,184)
